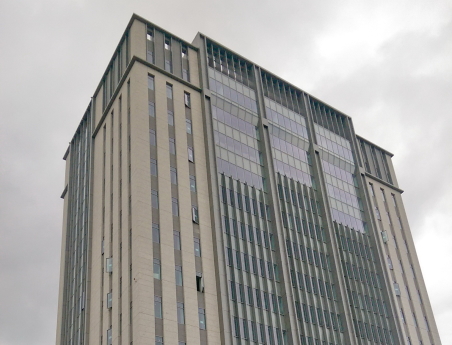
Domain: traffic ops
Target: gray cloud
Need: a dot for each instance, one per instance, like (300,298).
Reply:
(396,84)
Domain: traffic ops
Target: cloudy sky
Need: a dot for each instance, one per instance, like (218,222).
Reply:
(386,63)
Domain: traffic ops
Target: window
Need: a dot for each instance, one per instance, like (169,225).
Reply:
(175,206)
(173,174)
(187,101)
(109,265)
(153,167)
(154,198)
(158,340)
(169,91)
(155,233)
(152,139)
(396,289)
(184,51)
(176,235)
(151,109)
(109,300)
(202,318)
(190,154)
(197,243)
(150,82)
(150,35)
(188,125)
(167,43)
(170,118)
(194,214)
(180,313)
(199,282)
(158,307)
(109,337)
(179,279)
(157,269)
(192,183)
(172,146)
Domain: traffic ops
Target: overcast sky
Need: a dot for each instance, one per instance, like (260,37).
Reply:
(386,63)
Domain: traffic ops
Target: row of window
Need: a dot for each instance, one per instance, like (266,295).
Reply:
(174,206)
(357,248)
(308,229)
(365,302)
(249,263)
(306,340)
(358,273)
(172,145)
(177,239)
(159,341)
(318,316)
(173,175)
(313,256)
(235,122)
(232,95)
(294,173)
(244,202)
(254,235)
(150,55)
(256,298)
(312,284)
(257,332)
(377,334)
(158,311)
(240,174)
(286,123)
(299,200)
(238,147)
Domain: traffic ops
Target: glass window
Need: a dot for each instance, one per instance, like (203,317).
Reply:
(109,300)
(155,233)
(197,242)
(172,146)
(195,215)
(151,109)
(157,269)
(155,198)
(169,91)
(184,51)
(173,173)
(180,313)
(176,239)
(188,125)
(187,99)
(192,183)
(202,318)
(158,307)
(151,82)
(190,154)
(175,206)
(153,167)
(170,118)
(179,279)
(158,340)
(152,139)
(109,265)
(167,43)
(150,35)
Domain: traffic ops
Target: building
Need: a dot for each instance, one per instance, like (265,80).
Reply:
(208,201)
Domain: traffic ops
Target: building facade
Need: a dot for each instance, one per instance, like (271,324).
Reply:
(208,201)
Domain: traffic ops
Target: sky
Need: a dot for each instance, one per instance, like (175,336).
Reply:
(387,64)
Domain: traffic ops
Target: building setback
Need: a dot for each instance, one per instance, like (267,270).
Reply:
(208,201)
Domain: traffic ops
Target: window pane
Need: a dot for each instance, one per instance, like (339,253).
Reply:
(157,269)
(197,242)
(192,183)
(175,206)
(169,91)
(179,280)
(180,313)
(172,146)
(170,118)
(153,167)
(158,307)
(154,198)
(173,173)
(155,233)
(176,240)
(188,125)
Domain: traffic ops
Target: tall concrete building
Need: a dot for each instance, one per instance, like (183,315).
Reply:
(208,201)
